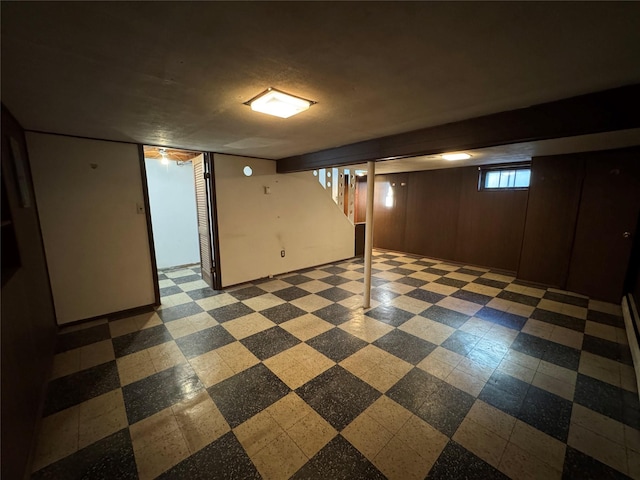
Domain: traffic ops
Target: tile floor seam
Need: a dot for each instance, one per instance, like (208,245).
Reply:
(625,449)
(479,355)
(482,426)
(598,433)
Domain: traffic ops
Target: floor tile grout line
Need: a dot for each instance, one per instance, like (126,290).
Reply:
(486,334)
(624,447)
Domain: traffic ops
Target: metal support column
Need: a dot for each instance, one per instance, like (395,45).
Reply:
(368,239)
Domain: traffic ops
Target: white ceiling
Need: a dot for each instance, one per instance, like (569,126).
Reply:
(177,73)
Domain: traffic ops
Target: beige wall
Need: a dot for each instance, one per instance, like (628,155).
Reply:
(95,241)
(298,216)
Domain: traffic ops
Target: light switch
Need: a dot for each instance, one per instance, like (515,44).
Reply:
(267,190)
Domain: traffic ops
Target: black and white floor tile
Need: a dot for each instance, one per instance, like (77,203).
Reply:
(455,372)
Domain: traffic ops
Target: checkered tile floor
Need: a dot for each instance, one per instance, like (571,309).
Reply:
(455,372)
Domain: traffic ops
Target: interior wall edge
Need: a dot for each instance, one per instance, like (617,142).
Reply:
(147,213)
(28,320)
(89,193)
(274,277)
(452,262)
(214,226)
(264,214)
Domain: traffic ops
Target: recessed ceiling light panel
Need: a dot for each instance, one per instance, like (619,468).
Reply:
(277,103)
(456,156)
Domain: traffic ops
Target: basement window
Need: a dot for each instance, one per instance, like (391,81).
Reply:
(505,177)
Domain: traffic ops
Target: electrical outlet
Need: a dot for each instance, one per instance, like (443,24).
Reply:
(282,253)
(140,208)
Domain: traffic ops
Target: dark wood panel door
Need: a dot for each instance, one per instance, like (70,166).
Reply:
(607,222)
(390,211)
(552,212)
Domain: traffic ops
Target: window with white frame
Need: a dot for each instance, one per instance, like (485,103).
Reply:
(505,178)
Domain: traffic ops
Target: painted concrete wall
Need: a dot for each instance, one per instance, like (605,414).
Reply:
(173,213)
(95,241)
(297,216)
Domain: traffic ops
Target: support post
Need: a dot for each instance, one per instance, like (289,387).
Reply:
(368,238)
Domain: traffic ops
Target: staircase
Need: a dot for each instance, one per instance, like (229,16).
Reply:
(340,184)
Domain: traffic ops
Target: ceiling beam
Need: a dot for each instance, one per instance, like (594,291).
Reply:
(608,110)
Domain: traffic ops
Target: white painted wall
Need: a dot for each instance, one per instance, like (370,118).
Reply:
(95,241)
(298,216)
(172,198)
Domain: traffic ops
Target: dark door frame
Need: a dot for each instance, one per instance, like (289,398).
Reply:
(213,220)
(147,214)
(208,273)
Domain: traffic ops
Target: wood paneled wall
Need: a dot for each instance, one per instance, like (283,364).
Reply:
(579,207)
(441,214)
(607,225)
(490,224)
(634,281)
(28,323)
(633,275)
(360,212)
(432,213)
(390,211)
(554,199)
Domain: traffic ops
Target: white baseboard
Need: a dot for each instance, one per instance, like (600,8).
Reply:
(630,314)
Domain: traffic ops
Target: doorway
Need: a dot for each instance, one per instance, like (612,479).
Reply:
(181,209)
(606,226)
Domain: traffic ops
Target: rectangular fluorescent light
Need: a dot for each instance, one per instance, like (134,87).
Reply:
(279,104)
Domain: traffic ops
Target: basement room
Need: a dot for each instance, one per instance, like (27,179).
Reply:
(320,240)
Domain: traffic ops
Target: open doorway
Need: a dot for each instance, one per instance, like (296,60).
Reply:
(180,204)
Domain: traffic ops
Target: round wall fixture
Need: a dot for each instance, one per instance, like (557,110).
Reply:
(247,171)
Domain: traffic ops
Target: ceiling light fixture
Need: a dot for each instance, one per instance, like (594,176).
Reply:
(277,103)
(164,160)
(456,156)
